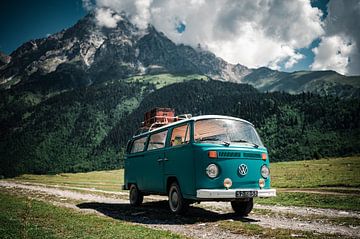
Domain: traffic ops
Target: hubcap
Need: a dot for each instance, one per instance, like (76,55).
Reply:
(174,200)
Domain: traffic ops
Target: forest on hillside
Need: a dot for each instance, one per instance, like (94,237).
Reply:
(87,128)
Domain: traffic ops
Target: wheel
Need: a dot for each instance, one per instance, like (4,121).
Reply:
(135,196)
(242,208)
(177,203)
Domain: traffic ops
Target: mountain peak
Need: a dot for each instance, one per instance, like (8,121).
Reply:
(102,52)
(94,51)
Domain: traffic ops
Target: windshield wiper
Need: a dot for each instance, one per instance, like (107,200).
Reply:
(245,141)
(226,143)
(210,139)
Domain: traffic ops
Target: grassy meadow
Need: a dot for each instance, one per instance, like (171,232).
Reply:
(332,172)
(336,181)
(325,183)
(163,80)
(27,218)
(100,180)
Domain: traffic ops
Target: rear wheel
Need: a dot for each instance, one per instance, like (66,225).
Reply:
(177,203)
(135,196)
(242,208)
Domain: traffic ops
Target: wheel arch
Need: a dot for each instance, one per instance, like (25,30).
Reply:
(170,180)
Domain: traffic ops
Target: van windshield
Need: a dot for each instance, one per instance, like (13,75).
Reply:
(226,131)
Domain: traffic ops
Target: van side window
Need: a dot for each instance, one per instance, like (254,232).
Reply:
(138,145)
(157,141)
(180,135)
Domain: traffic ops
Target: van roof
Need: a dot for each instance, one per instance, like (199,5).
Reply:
(195,118)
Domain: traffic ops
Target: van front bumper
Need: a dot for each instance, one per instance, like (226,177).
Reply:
(231,193)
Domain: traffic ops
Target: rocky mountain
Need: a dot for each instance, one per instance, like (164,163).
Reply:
(4,59)
(88,53)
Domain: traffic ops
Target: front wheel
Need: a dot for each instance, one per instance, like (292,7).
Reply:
(177,203)
(242,208)
(135,196)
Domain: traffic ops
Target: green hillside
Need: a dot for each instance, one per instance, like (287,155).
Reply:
(86,128)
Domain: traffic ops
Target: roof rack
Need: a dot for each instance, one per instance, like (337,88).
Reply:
(158,117)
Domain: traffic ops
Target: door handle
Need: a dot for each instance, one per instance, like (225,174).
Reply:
(165,159)
(160,160)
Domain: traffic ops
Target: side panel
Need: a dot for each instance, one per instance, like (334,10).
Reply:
(152,171)
(180,164)
(133,168)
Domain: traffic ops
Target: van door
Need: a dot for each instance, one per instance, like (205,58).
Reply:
(153,167)
(133,161)
(179,156)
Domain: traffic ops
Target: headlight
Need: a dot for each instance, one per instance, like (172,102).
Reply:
(212,170)
(265,171)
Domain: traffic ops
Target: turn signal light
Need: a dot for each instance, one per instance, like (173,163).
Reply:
(227,183)
(212,154)
(263,156)
(261,183)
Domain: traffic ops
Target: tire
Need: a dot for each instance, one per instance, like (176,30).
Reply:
(177,203)
(242,208)
(135,196)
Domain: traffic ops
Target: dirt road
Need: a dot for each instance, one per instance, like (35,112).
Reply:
(202,220)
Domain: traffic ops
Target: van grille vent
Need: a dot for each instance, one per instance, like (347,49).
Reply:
(229,154)
(252,155)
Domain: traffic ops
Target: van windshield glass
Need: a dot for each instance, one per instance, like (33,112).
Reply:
(226,131)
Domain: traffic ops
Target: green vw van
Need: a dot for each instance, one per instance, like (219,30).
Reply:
(203,158)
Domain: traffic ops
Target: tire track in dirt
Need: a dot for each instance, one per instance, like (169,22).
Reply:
(202,221)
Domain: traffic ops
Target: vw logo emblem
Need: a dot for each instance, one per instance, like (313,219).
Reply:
(243,169)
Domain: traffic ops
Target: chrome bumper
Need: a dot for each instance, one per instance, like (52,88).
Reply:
(230,193)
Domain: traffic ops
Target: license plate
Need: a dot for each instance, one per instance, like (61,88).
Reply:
(246,194)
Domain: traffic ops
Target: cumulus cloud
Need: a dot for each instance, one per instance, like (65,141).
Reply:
(106,17)
(139,10)
(250,32)
(339,49)
(333,53)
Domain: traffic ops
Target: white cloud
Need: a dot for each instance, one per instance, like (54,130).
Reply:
(106,17)
(142,18)
(339,48)
(87,5)
(333,53)
(294,57)
(250,32)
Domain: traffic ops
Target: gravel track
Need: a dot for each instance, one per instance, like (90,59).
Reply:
(202,221)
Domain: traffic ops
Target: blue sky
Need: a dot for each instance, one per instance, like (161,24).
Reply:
(22,20)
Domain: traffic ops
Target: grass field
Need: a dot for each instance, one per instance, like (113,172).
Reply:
(243,228)
(335,174)
(162,80)
(21,217)
(100,180)
(341,202)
